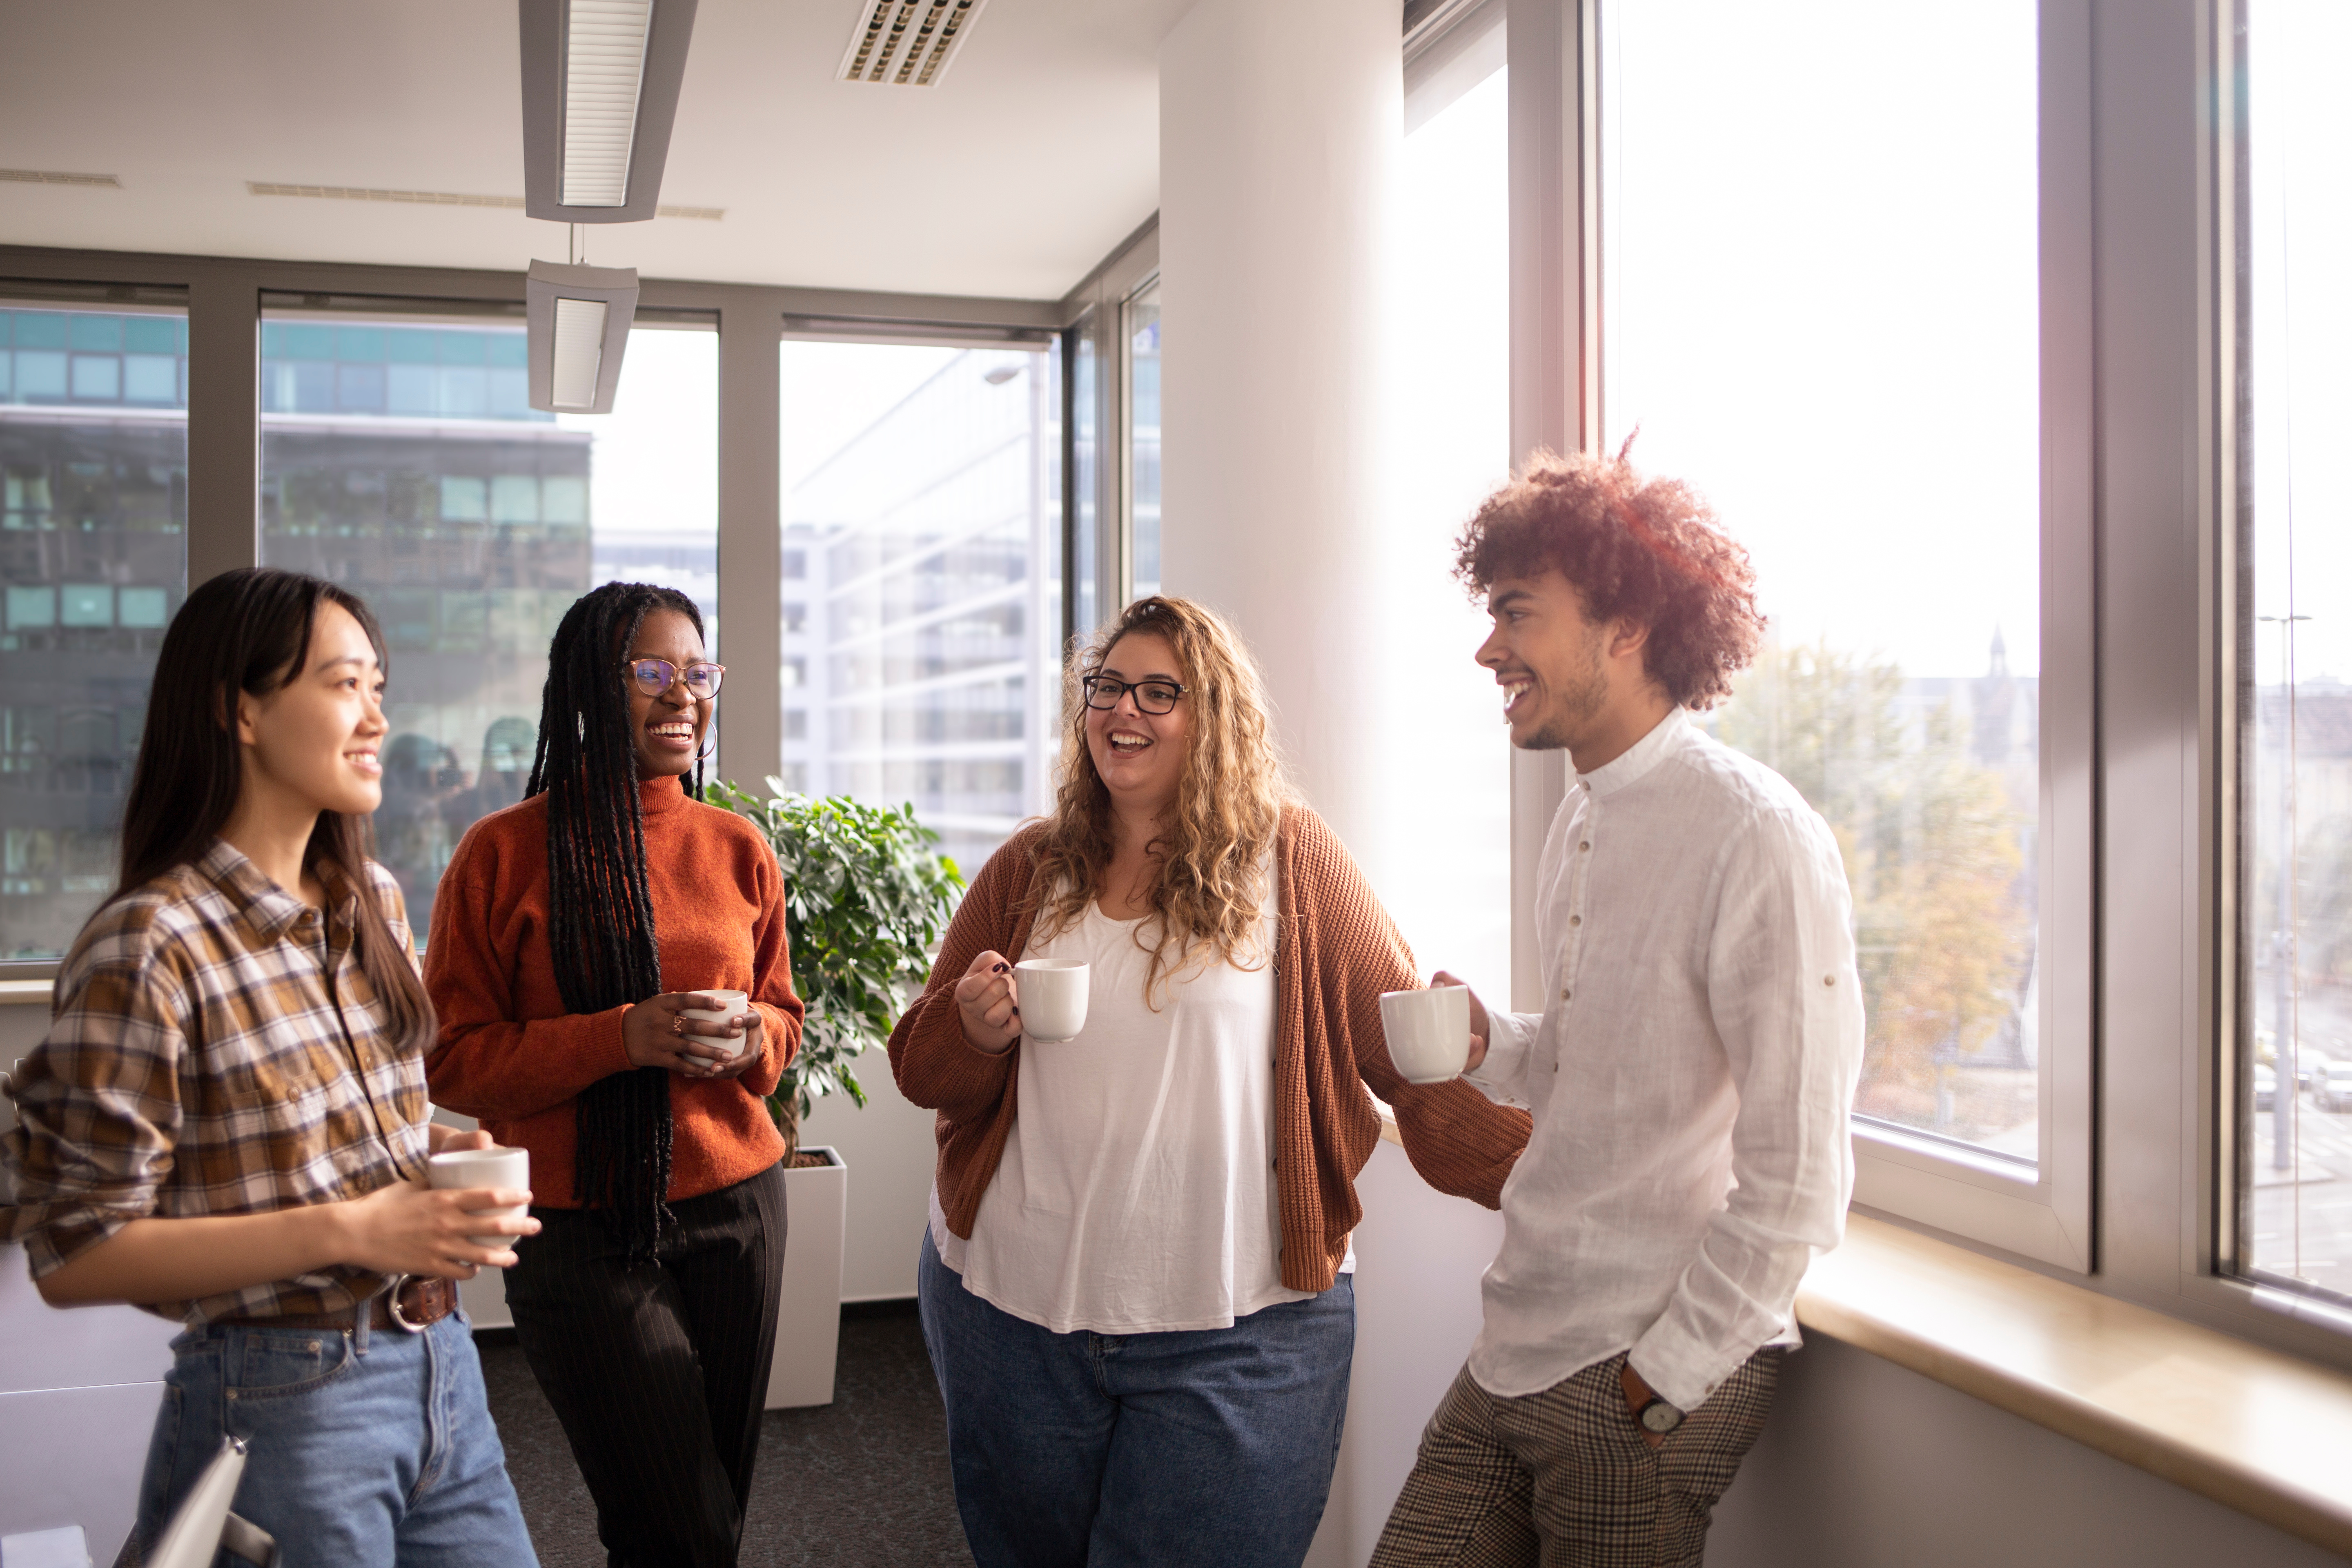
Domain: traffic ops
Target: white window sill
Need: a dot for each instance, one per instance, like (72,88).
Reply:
(2253,1429)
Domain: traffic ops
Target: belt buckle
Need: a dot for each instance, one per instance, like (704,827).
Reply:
(392,1304)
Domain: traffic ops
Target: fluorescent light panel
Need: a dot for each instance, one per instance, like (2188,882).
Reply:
(604,71)
(578,350)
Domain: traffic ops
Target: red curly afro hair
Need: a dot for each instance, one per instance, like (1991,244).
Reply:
(1648,551)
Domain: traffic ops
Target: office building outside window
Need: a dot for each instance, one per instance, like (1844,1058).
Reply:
(923,511)
(401,458)
(2295,1088)
(93,556)
(1821,295)
(1143,439)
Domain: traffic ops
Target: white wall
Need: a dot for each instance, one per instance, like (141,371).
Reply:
(890,1151)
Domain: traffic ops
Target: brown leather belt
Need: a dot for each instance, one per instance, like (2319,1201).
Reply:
(412,1304)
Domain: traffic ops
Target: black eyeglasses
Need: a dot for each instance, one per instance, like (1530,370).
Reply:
(655,676)
(1151,696)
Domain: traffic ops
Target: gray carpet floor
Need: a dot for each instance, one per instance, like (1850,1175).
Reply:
(861,1483)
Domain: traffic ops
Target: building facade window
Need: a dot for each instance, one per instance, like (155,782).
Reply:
(2294,1095)
(1834,337)
(93,555)
(1142,404)
(401,460)
(922,487)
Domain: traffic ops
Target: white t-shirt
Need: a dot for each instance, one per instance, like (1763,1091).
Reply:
(1137,1194)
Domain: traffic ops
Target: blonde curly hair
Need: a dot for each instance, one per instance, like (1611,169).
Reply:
(1210,890)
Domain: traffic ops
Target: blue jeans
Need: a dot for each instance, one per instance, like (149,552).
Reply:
(1209,1447)
(367,1449)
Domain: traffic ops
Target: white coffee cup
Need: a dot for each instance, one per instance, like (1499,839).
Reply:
(1053,998)
(732,1005)
(1428,1031)
(466,1170)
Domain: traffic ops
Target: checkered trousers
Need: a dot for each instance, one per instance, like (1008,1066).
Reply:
(217,1049)
(1562,1478)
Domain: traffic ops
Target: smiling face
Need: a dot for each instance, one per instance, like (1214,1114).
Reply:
(1549,659)
(1140,756)
(314,741)
(668,728)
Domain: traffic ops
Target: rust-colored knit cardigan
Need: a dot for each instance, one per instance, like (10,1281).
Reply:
(1335,950)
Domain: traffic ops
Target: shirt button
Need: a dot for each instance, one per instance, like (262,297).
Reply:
(1586,845)
(1563,993)
(1829,979)
(1576,919)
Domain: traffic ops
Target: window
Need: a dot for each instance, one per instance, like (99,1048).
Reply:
(1453,342)
(1144,441)
(2294,1091)
(1085,574)
(922,485)
(401,460)
(93,554)
(1835,336)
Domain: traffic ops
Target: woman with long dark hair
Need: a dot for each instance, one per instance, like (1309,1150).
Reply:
(572,934)
(226,1122)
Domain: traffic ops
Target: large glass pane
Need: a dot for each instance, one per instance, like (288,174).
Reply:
(401,458)
(2297,1091)
(1143,438)
(922,502)
(1819,285)
(94,560)
(1454,346)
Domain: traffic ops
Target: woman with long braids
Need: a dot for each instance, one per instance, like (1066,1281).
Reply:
(226,1122)
(570,934)
(1135,1286)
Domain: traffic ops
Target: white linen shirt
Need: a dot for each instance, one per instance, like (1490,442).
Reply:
(1690,1075)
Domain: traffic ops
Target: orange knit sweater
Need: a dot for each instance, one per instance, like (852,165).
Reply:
(512,1055)
(1335,951)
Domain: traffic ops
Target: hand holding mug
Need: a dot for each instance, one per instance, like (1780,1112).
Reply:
(656,1033)
(988,1003)
(1477,1019)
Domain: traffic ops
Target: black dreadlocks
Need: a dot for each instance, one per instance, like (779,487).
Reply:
(602,917)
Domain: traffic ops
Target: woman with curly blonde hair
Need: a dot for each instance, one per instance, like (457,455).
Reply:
(1136,1280)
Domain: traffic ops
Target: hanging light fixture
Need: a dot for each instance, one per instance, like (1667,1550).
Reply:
(578,318)
(600,84)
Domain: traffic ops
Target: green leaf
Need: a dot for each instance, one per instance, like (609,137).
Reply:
(866,896)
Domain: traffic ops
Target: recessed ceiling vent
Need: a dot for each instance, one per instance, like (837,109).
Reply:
(52,177)
(907,43)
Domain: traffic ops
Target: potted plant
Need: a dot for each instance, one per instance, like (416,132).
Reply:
(866,895)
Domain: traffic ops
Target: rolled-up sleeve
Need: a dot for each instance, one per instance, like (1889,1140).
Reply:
(1787,1005)
(98,1113)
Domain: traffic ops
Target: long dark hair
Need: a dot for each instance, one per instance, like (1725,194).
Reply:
(601,917)
(250,631)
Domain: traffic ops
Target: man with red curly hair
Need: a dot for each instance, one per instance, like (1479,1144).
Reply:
(1690,1074)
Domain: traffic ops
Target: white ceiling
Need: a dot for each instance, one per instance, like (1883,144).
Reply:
(1036,155)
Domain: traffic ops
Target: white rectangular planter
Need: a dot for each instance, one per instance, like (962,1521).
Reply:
(808,1321)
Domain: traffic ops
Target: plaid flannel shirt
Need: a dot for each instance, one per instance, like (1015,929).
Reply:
(215,1049)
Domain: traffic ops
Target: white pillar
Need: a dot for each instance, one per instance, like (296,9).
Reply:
(1279,132)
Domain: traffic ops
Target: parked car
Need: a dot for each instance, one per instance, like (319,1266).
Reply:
(2265,1086)
(2331,1090)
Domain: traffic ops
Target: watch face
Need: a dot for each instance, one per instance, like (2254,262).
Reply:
(1660,1417)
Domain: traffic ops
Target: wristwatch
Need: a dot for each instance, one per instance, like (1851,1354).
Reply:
(1658,1417)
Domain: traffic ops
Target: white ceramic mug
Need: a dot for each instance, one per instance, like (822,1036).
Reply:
(732,1005)
(1053,998)
(465,1170)
(1428,1031)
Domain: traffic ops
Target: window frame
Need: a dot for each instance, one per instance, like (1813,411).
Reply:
(1554,51)
(1096,310)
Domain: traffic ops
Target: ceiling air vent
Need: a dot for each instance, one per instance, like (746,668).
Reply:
(907,43)
(52,177)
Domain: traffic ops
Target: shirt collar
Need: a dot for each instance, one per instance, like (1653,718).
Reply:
(657,795)
(265,906)
(1669,734)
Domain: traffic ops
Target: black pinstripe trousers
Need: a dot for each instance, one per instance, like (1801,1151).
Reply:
(659,1372)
